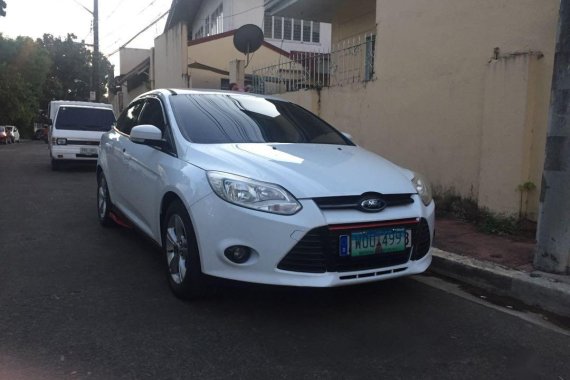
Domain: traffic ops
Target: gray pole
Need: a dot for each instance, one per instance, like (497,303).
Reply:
(553,250)
(96,50)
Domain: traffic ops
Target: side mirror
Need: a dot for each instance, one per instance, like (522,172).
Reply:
(146,134)
(50,122)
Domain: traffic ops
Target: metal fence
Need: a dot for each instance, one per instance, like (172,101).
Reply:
(351,61)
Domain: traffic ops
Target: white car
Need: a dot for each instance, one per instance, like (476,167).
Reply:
(76,129)
(13,133)
(258,189)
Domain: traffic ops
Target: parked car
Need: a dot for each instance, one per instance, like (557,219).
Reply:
(4,137)
(13,134)
(258,189)
(41,134)
(76,130)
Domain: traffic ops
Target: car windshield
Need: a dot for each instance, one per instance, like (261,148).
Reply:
(85,119)
(229,118)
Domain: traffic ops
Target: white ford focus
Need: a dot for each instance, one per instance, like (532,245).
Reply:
(258,189)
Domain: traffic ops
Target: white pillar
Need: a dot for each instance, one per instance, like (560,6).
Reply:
(237,72)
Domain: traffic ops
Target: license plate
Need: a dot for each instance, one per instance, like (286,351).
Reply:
(374,242)
(88,151)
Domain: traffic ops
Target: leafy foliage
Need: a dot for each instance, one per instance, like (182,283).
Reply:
(32,73)
(71,72)
(23,68)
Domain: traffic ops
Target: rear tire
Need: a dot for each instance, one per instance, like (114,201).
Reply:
(180,249)
(104,204)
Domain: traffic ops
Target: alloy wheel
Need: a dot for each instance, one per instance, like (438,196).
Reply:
(102,198)
(176,248)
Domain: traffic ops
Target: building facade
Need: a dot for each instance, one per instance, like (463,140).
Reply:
(456,89)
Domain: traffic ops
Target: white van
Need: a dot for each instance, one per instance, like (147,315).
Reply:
(76,129)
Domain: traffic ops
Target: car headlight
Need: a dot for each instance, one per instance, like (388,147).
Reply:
(256,195)
(61,141)
(423,188)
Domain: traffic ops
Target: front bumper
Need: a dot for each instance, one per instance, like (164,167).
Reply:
(75,152)
(219,225)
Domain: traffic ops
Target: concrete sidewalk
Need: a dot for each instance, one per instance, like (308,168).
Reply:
(498,264)
(543,290)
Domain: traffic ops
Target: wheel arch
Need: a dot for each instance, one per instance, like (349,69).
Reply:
(167,199)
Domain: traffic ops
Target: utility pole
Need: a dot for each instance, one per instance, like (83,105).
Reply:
(2,8)
(553,236)
(96,50)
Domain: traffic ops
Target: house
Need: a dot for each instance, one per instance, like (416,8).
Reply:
(455,89)
(196,47)
(134,69)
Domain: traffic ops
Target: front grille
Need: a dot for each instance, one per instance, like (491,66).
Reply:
(423,241)
(318,251)
(353,201)
(82,142)
(308,255)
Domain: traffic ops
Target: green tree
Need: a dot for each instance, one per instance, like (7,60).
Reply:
(70,77)
(24,65)
(32,73)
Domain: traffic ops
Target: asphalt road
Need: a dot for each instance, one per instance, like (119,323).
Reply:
(80,301)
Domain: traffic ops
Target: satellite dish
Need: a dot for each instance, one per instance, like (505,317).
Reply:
(247,39)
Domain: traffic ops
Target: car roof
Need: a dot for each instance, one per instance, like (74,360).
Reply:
(167,92)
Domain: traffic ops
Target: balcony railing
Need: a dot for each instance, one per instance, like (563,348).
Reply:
(351,61)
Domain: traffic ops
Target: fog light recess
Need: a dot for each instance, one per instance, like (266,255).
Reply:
(238,254)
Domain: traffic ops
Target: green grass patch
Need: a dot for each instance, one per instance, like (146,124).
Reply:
(450,204)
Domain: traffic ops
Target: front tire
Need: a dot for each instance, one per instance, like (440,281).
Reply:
(55,165)
(104,204)
(181,252)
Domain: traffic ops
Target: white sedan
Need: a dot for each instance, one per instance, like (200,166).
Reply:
(258,189)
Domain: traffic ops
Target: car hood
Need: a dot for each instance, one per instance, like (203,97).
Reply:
(306,170)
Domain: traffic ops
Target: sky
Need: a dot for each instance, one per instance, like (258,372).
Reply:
(119,21)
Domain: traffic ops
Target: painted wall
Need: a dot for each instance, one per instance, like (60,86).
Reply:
(218,53)
(244,12)
(169,66)
(353,19)
(129,58)
(440,103)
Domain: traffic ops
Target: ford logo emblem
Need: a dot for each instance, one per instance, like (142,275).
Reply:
(372,204)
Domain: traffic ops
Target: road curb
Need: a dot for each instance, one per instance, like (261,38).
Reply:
(537,290)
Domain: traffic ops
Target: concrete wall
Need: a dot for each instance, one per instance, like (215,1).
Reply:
(245,12)
(507,132)
(169,67)
(129,58)
(354,18)
(218,53)
(441,104)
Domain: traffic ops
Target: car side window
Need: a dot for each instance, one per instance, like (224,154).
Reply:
(152,114)
(129,118)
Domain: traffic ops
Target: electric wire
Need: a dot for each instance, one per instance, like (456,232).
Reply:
(158,19)
(123,24)
(139,33)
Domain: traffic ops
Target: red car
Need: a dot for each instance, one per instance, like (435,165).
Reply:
(4,137)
